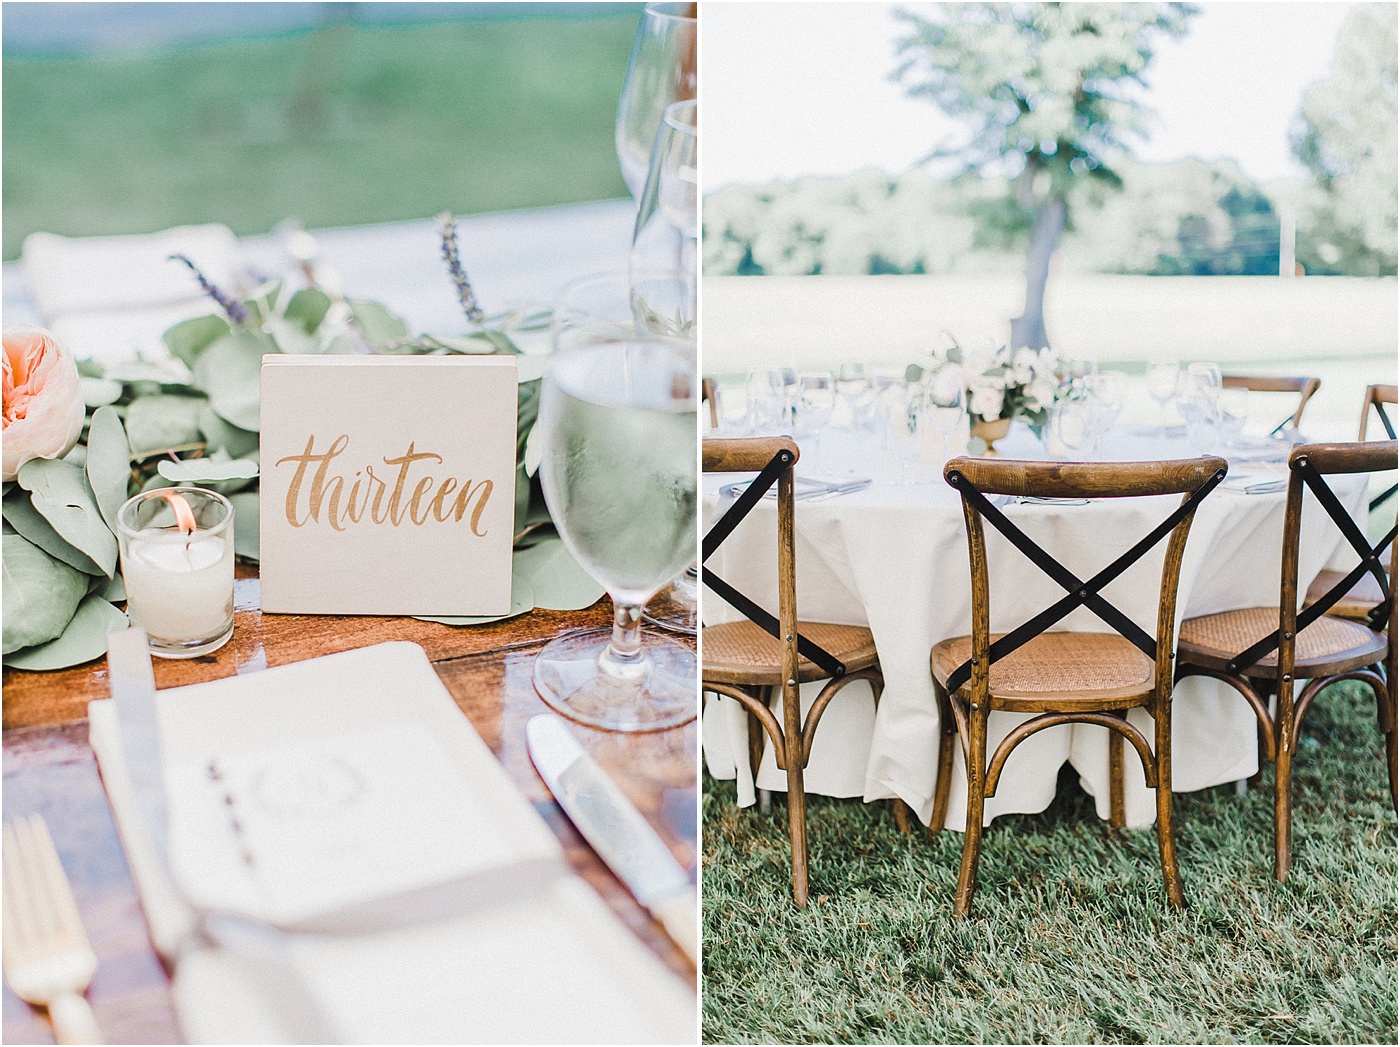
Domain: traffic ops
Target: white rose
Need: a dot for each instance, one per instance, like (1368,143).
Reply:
(1040,394)
(986,401)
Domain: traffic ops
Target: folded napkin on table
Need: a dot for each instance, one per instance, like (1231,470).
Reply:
(112,297)
(339,780)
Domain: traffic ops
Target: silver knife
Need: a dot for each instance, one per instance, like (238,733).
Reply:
(134,691)
(615,829)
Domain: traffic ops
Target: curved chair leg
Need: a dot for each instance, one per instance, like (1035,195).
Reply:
(755,745)
(947,732)
(976,799)
(1283,786)
(1166,828)
(1117,813)
(1385,721)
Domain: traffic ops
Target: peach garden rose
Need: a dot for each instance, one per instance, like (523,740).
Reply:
(43,403)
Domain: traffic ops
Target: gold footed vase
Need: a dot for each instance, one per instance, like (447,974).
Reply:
(989,433)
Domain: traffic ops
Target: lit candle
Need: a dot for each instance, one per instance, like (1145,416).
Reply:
(177,564)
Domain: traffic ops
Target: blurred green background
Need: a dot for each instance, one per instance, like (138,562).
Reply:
(345,122)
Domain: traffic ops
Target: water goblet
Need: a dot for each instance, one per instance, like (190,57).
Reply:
(763,395)
(1069,431)
(900,415)
(618,468)
(1106,391)
(852,387)
(661,70)
(815,405)
(1233,406)
(663,264)
(593,309)
(944,406)
(1163,379)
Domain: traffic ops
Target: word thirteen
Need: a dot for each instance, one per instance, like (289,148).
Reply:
(382,501)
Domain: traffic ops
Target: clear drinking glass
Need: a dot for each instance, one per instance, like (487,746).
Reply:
(618,426)
(593,309)
(944,406)
(665,247)
(852,388)
(1069,432)
(177,564)
(660,71)
(815,406)
(900,405)
(1163,378)
(763,395)
(1106,392)
(1233,405)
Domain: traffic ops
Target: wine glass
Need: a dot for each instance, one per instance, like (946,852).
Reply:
(852,387)
(814,407)
(1069,436)
(665,247)
(900,409)
(1233,405)
(593,309)
(1202,381)
(661,70)
(763,393)
(1163,379)
(617,423)
(1106,391)
(944,405)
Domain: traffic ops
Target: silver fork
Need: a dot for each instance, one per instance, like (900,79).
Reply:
(48,961)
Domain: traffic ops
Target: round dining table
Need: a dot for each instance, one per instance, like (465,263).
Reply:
(893,556)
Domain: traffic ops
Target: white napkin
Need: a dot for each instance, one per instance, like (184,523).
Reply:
(111,297)
(543,964)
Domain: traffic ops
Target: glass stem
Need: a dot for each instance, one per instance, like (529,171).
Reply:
(625,648)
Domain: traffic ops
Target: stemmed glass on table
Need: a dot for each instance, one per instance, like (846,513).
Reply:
(665,239)
(1106,392)
(661,70)
(1199,404)
(813,408)
(900,406)
(617,423)
(1163,380)
(943,406)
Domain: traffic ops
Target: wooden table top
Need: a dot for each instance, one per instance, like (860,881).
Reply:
(50,769)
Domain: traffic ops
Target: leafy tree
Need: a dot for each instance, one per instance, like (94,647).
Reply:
(1346,136)
(1043,93)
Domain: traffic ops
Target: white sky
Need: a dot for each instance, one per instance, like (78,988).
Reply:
(793,89)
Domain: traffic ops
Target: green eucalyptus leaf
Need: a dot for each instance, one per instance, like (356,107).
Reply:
(98,392)
(377,324)
(84,639)
(289,336)
(156,482)
(338,345)
(556,578)
(113,589)
(913,373)
(156,422)
(89,369)
(530,368)
(20,513)
(108,463)
(219,435)
(245,524)
(77,456)
(61,494)
(522,498)
(142,374)
(40,593)
(229,372)
(308,307)
(186,340)
(207,470)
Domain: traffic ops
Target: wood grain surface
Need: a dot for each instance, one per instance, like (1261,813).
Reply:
(50,769)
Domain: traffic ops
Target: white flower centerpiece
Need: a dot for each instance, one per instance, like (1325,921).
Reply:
(1002,385)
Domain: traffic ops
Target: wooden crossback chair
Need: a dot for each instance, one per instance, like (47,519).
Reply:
(1262,651)
(1065,677)
(709,394)
(1359,601)
(759,657)
(1303,386)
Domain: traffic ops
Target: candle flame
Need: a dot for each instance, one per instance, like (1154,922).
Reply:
(184,515)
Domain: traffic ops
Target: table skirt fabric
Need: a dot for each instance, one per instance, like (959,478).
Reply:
(895,559)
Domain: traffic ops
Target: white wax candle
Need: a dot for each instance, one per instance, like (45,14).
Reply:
(179,588)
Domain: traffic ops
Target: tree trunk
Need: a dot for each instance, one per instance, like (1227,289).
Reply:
(1029,328)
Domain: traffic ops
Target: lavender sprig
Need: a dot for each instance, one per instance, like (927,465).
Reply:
(232,307)
(465,294)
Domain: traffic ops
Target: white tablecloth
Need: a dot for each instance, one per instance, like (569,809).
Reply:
(894,558)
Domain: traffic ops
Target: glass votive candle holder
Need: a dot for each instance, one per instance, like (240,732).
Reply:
(177,564)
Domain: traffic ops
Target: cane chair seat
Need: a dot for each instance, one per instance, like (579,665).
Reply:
(743,653)
(1327,646)
(1356,603)
(1058,671)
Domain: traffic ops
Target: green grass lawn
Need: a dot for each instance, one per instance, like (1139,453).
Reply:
(347,124)
(1071,939)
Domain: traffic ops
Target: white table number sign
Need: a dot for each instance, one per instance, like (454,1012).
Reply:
(387,484)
